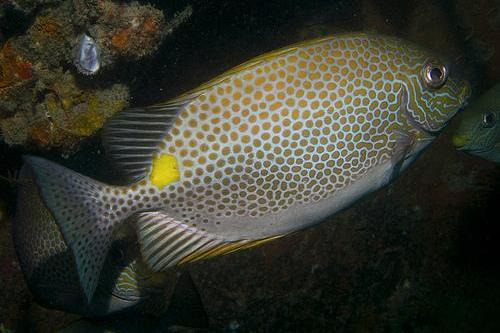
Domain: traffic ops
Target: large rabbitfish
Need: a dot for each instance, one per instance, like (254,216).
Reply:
(270,147)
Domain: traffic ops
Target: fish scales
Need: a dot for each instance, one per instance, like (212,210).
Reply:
(289,130)
(268,148)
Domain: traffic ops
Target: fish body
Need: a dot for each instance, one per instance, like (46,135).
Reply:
(479,131)
(268,148)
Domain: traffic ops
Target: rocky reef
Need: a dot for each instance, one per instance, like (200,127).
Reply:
(47,98)
(65,114)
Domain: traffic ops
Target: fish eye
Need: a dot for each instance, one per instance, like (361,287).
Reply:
(489,120)
(434,75)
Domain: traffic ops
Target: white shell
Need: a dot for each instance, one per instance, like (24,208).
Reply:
(87,59)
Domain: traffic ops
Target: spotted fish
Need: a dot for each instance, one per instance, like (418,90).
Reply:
(125,284)
(270,147)
(479,130)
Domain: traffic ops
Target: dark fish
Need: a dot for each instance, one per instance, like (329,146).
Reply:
(126,284)
(185,314)
(479,131)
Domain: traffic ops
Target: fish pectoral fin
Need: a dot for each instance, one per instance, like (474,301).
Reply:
(134,135)
(165,242)
(404,144)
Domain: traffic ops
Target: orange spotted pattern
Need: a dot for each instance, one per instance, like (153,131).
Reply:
(291,128)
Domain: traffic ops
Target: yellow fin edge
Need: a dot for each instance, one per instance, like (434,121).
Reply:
(247,66)
(226,249)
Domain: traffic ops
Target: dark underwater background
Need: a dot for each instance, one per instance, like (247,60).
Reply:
(421,255)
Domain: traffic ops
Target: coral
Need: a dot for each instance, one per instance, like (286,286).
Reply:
(14,130)
(50,38)
(54,111)
(29,5)
(40,133)
(73,113)
(46,27)
(40,101)
(120,39)
(66,115)
(131,30)
(14,70)
(121,29)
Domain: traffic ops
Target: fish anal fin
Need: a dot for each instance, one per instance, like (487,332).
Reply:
(165,242)
(227,248)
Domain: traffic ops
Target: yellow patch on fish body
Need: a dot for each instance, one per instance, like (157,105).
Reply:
(164,170)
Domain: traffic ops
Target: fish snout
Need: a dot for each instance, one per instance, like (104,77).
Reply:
(460,141)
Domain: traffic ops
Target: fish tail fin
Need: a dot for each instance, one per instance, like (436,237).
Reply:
(83,211)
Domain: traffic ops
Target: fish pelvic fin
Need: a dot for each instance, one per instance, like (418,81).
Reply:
(165,242)
(82,212)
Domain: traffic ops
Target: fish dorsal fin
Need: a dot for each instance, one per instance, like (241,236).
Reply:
(134,135)
(250,64)
(166,242)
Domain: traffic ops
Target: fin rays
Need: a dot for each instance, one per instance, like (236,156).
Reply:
(166,242)
(134,135)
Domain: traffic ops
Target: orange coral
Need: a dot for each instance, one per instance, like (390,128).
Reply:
(13,69)
(120,40)
(46,27)
(40,134)
(23,70)
(150,25)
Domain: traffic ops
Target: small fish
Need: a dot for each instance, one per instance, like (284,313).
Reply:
(479,131)
(87,58)
(268,148)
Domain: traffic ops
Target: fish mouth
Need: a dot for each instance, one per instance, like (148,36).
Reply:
(460,142)
(465,144)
